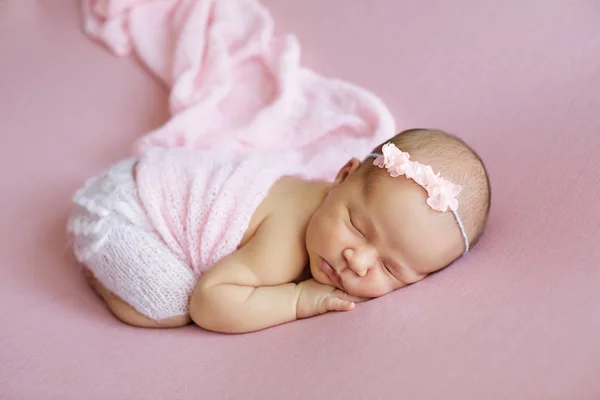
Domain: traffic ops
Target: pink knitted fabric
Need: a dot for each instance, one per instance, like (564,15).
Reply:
(237,88)
(201,202)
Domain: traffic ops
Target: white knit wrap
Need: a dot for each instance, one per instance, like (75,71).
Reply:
(113,237)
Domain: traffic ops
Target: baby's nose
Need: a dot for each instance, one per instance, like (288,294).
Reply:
(360,260)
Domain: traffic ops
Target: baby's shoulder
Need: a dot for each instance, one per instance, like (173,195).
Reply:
(278,228)
(290,203)
(283,204)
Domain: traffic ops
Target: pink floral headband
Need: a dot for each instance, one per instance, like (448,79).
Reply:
(442,193)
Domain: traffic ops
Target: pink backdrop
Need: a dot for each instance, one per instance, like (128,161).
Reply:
(519,318)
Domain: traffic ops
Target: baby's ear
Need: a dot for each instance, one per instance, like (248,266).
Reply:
(350,167)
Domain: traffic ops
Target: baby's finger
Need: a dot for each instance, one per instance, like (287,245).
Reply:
(348,297)
(336,304)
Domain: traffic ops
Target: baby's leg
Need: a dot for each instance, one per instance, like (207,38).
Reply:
(127,314)
(141,281)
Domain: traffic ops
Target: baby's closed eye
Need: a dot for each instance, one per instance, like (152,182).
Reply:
(385,266)
(353,224)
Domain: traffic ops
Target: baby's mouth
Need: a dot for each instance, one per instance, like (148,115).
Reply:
(331,273)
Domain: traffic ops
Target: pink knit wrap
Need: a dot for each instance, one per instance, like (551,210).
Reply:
(201,202)
(235,87)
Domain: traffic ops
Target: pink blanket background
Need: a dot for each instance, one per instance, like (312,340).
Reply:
(518,318)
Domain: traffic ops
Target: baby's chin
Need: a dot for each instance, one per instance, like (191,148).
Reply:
(319,278)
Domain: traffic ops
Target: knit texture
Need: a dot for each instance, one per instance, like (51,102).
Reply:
(235,87)
(113,237)
(201,202)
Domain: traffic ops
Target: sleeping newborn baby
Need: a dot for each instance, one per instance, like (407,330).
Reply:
(240,245)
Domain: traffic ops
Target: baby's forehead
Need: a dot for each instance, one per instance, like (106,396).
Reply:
(396,200)
(380,186)
(400,207)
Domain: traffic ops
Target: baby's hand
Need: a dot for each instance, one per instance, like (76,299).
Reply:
(316,298)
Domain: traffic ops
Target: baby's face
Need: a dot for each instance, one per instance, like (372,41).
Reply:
(372,241)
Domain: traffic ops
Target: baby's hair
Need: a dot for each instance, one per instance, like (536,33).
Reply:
(457,162)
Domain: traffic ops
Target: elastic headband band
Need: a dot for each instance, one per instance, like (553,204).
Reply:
(442,193)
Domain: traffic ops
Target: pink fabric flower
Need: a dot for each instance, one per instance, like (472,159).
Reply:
(397,162)
(443,196)
(442,193)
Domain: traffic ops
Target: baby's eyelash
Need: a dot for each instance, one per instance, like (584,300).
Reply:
(386,268)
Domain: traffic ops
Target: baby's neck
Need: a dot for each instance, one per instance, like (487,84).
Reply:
(297,196)
(313,191)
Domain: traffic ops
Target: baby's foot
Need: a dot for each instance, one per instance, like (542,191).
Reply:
(89,275)
(93,282)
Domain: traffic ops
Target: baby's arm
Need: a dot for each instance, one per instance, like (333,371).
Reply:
(249,290)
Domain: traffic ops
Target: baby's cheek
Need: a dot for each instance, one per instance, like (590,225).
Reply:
(329,234)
